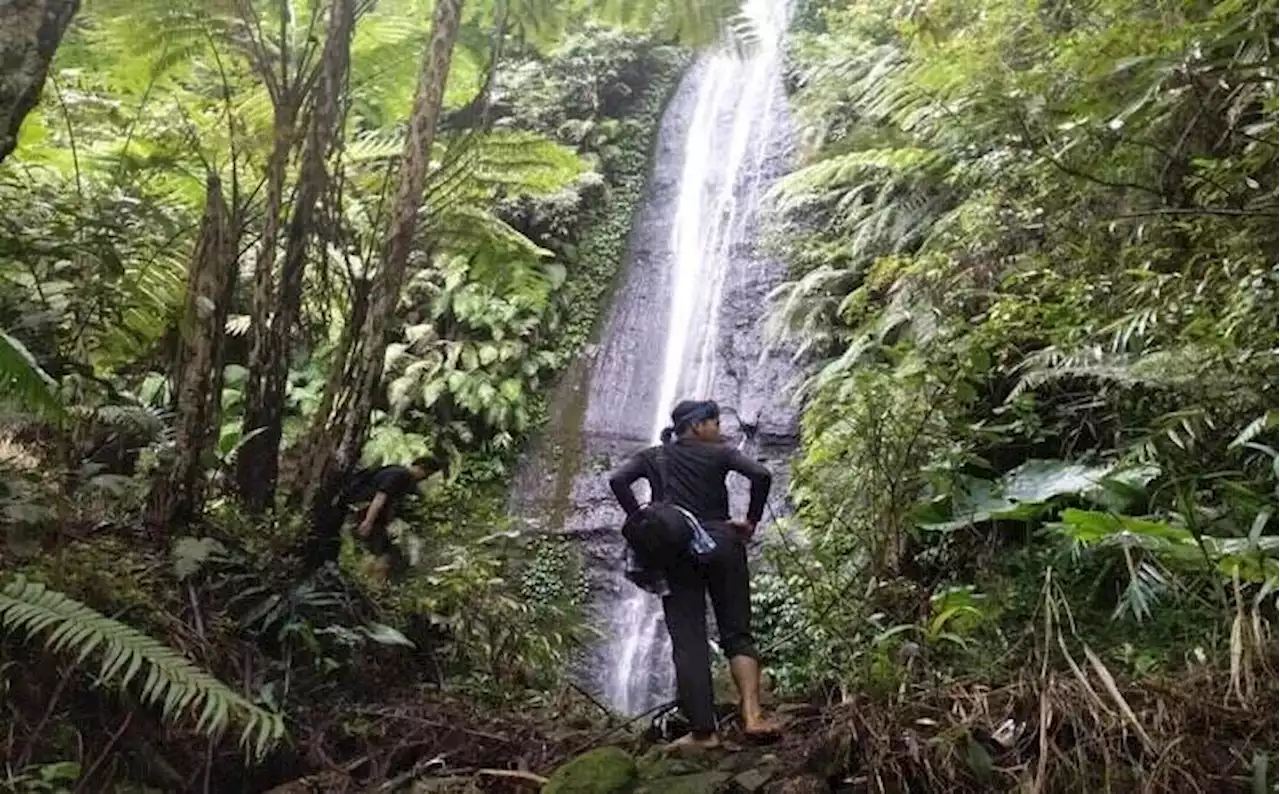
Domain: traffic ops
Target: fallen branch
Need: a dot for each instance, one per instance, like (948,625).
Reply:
(391,715)
(670,704)
(608,714)
(514,774)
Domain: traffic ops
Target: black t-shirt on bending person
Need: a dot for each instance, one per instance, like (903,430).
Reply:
(696,472)
(328,515)
(394,481)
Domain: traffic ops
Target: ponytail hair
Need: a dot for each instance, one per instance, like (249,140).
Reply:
(668,435)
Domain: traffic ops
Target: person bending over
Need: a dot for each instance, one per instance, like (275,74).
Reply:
(383,489)
(694,462)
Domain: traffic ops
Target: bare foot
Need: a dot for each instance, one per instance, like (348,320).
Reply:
(761,729)
(693,742)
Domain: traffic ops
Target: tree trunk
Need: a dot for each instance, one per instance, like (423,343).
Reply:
(264,291)
(349,422)
(312,452)
(258,462)
(178,497)
(30,31)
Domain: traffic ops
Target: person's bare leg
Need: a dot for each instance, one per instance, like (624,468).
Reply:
(746,676)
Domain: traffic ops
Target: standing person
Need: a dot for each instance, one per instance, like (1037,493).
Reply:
(689,469)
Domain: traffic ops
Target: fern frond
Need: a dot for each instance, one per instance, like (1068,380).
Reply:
(527,161)
(151,295)
(22,379)
(464,227)
(1257,427)
(692,22)
(137,421)
(172,683)
(1164,368)
(373,147)
(239,324)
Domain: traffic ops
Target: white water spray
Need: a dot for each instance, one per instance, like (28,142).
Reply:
(739,103)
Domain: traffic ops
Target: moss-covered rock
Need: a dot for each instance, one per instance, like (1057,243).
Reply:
(657,763)
(699,783)
(606,770)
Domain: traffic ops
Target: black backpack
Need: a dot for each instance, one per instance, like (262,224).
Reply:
(361,486)
(658,533)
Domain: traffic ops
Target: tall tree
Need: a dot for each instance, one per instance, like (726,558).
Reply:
(258,460)
(30,31)
(178,496)
(338,438)
(343,435)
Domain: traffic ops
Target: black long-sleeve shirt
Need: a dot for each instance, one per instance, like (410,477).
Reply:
(696,472)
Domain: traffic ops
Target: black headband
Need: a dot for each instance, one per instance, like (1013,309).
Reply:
(692,415)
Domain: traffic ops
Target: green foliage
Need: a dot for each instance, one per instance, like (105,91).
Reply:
(1026,246)
(526,214)
(486,361)
(54,778)
(554,576)
(509,632)
(171,681)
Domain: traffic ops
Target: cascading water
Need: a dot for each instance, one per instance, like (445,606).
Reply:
(729,157)
(685,322)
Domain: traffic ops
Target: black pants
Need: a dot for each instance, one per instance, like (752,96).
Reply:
(723,575)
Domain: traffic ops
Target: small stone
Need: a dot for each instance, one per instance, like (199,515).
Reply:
(737,762)
(752,780)
(799,785)
(606,770)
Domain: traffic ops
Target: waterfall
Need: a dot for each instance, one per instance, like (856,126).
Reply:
(728,159)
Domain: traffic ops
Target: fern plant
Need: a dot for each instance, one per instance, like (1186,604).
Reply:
(172,682)
(22,379)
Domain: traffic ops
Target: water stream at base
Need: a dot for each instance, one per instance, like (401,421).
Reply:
(729,159)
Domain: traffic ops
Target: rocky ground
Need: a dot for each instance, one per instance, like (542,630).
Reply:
(732,769)
(1044,735)
(450,757)
(640,766)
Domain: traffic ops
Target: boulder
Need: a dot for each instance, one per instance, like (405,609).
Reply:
(605,770)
